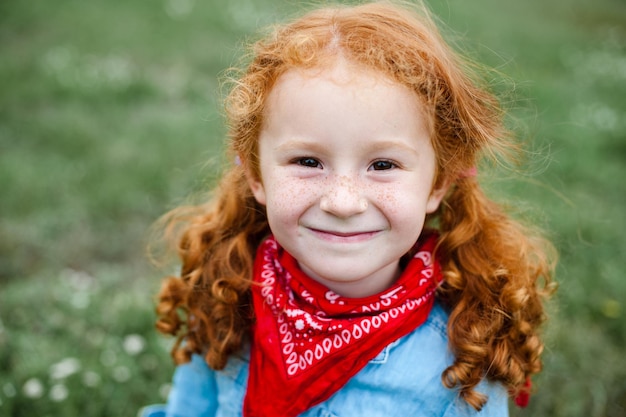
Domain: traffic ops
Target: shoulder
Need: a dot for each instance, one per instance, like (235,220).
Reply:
(497,403)
(437,322)
(199,391)
(428,343)
(191,389)
(410,368)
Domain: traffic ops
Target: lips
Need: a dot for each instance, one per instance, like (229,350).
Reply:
(344,237)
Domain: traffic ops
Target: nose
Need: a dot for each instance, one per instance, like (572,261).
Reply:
(343,198)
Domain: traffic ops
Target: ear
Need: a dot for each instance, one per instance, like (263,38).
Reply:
(256,185)
(436,195)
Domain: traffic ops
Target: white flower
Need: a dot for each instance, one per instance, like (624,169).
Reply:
(164,390)
(33,388)
(121,374)
(177,9)
(134,344)
(80,281)
(299,324)
(108,358)
(58,392)
(64,368)
(91,379)
(80,300)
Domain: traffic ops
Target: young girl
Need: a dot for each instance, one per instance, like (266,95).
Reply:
(349,263)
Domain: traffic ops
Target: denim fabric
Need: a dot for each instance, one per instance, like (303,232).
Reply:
(403,380)
(155,410)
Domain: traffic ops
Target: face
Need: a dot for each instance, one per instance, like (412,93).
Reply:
(346,174)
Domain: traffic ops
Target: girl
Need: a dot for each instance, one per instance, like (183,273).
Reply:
(349,263)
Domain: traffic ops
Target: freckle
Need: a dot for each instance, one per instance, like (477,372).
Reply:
(390,201)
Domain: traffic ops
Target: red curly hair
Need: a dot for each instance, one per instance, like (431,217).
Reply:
(496,270)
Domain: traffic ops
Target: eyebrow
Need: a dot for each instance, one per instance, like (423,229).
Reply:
(386,144)
(378,146)
(295,145)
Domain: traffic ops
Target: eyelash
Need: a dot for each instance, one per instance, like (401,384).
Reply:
(310,162)
(388,165)
(307,162)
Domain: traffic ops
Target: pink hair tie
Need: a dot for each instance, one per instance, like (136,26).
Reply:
(468,173)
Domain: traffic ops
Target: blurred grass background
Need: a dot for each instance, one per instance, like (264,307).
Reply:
(110,116)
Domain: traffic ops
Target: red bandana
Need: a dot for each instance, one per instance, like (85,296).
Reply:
(308,341)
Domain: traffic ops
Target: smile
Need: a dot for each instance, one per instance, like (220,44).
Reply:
(344,237)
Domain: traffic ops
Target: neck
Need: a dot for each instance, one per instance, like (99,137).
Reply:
(373,284)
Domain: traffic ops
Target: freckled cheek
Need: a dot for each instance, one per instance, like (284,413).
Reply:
(288,197)
(399,205)
(388,200)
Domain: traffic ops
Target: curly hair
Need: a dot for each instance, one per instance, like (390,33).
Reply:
(497,271)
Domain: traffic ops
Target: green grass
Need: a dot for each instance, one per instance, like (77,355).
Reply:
(109,116)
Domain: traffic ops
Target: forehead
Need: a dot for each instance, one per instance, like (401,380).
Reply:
(341,82)
(340,70)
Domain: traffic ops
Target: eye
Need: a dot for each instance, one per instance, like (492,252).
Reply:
(382,165)
(308,162)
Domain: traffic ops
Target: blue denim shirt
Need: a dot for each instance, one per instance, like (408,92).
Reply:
(403,380)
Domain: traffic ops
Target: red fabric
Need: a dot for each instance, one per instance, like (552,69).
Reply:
(308,341)
(523,396)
